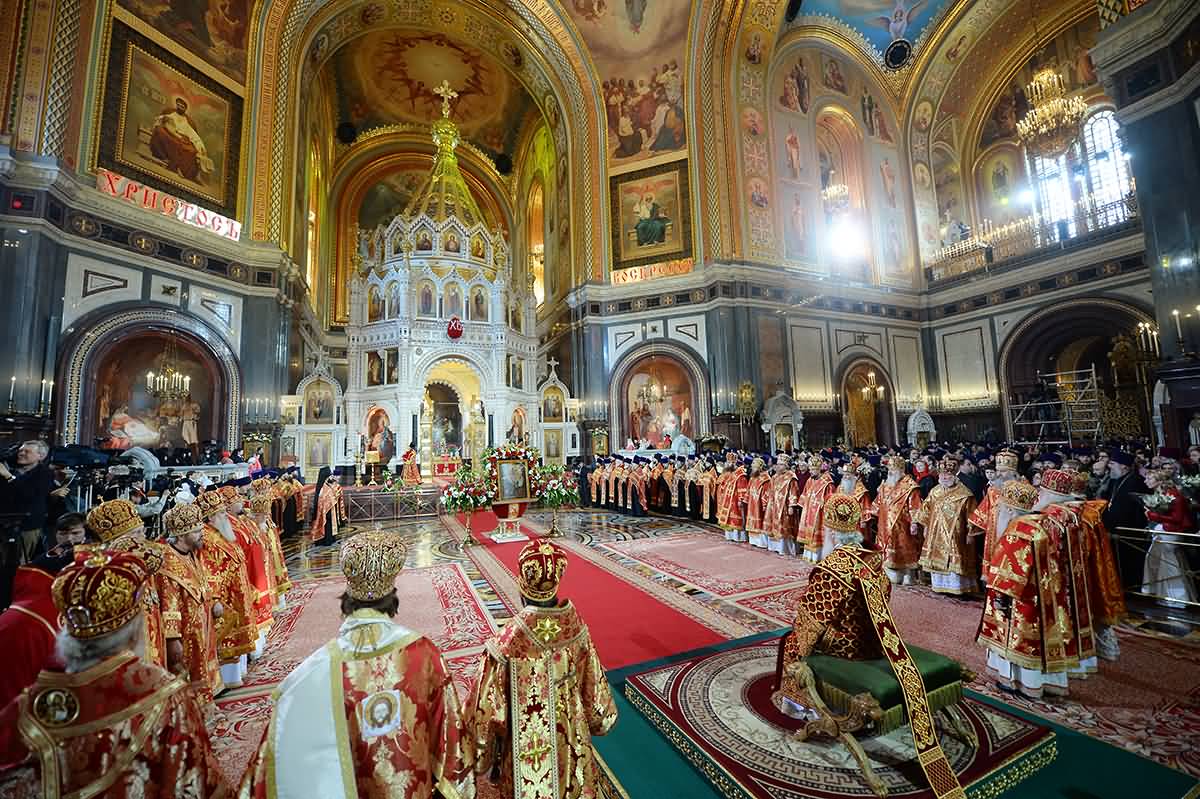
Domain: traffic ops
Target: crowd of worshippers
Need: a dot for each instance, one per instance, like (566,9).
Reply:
(1052,540)
(116,654)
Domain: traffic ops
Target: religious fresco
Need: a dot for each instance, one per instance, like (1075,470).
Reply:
(948,189)
(1070,51)
(378,434)
(828,124)
(318,403)
(639,49)
(215,30)
(650,215)
(659,400)
(447,418)
(168,125)
(389,196)
(387,76)
(878,21)
(126,415)
(1001,186)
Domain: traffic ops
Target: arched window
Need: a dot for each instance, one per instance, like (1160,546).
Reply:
(537,235)
(1093,175)
(1107,167)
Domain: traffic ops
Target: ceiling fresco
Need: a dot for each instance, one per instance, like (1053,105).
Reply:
(387,77)
(879,22)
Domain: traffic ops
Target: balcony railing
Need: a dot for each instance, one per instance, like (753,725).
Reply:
(1031,238)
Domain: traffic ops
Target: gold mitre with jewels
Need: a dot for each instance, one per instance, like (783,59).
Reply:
(100,592)
(113,519)
(370,563)
(260,485)
(1007,459)
(183,519)
(1019,494)
(842,513)
(540,568)
(211,503)
(260,503)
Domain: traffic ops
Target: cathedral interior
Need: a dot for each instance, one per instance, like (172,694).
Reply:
(381,230)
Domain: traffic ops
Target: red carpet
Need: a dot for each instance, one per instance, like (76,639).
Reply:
(627,625)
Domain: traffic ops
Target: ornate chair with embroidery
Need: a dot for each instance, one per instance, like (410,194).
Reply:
(844,669)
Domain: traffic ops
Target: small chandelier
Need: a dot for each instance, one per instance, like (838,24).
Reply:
(1052,123)
(836,197)
(872,391)
(169,382)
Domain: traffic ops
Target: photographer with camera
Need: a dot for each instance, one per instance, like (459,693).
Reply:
(24,489)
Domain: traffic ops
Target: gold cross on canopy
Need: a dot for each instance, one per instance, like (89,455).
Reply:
(447,94)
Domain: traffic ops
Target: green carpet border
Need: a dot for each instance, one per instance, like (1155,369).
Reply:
(1005,776)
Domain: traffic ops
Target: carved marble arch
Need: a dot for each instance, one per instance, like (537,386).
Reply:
(535,38)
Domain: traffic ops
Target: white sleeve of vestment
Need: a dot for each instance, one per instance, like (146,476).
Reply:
(306,756)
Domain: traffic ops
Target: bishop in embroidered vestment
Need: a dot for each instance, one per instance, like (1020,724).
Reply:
(541,692)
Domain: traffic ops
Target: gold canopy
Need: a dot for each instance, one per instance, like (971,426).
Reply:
(444,194)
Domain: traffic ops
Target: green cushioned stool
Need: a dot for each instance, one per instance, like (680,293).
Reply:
(839,680)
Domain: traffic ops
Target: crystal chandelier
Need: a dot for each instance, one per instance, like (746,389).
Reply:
(1052,123)
(169,382)
(836,197)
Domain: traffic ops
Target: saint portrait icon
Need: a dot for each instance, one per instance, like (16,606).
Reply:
(513,481)
(379,713)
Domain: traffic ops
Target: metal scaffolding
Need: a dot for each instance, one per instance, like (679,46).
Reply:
(1065,412)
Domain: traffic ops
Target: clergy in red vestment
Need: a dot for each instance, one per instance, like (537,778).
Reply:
(541,693)
(268,535)
(898,499)
(258,568)
(330,509)
(410,471)
(1056,501)
(117,525)
(108,725)
(1105,590)
(816,491)
(783,508)
(758,492)
(30,622)
(732,509)
(373,713)
(224,565)
(983,519)
(946,553)
(189,611)
(1025,619)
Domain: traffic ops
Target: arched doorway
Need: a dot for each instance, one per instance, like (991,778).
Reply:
(453,422)
(1072,337)
(106,398)
(868,415)
(658,398)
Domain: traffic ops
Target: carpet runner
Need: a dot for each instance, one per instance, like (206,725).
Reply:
(715,708)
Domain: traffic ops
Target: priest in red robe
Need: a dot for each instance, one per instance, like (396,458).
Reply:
(108,724)
(371,713)
(541,692)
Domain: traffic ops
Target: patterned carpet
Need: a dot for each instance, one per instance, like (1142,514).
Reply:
(716,710)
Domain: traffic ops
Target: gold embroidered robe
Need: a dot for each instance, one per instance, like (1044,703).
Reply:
(371,715)
(137,733)
(894,508)
(224,566)
(186,604)
(783,506)
(706,483)
(540,696)
(811,530)
(758,492)
(1105,590)
(944,515)
(984,519)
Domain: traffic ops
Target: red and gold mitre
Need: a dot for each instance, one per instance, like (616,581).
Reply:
(1019,494)
(100,592)
(260,503)
(815,463)
(370,562)
(540,567)
(229,494)
(210,503)
(1007,459)
(948,466)
(183,519)
(896,462)
(842,513)
(260,485)
(1079,483)
(113,519)
(1060,481)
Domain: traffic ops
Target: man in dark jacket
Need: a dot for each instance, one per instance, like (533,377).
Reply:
(1125,509)
(24,489)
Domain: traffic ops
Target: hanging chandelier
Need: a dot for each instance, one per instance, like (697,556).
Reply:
(872,391)
(169,382)
(1052,123)
(836,197)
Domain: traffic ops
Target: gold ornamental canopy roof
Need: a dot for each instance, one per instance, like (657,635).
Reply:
(444,194)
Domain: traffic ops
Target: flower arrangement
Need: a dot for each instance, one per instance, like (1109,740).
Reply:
(556,488)
(1190,483)
(389,480)
(1156,502)
(469,492)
